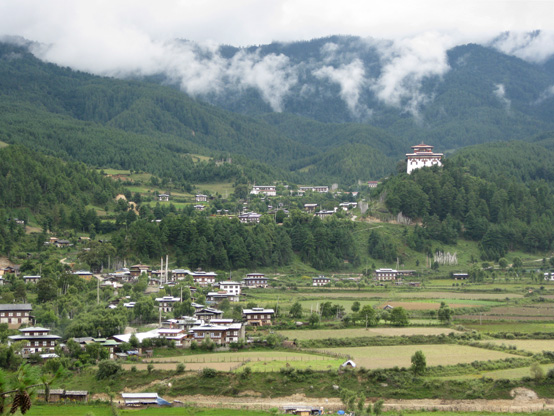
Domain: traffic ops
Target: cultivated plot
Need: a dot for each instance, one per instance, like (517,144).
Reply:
(306,334)
(400,355)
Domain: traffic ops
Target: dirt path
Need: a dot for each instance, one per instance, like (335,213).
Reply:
(524,401)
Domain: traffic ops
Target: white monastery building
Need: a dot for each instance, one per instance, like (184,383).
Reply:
(422,156)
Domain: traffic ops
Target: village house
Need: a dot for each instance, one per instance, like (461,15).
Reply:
(549,277)
(176,335)
(324,214)
(422,156)
(199,207)
(216,297)
(253,280)
(207,314)
(202,278)
(31,279)
(348,205)
(373,184)
(250,218)
(310,207)
(166,303)
(461,276)
(320,281)
(10,270)
(386,274)
(320,189)
(83,274)
(57,395)
(268,190)
(258,316)
(37,340)
(137,269)
(220,334)
(163,197)
(16,314)
(230,287)
(201,198)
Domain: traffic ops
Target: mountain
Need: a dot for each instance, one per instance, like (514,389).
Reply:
(140,125)
(472,94)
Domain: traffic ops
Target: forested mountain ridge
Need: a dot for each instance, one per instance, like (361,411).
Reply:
(143,126)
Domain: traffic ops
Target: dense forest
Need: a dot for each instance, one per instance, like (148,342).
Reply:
(501,213)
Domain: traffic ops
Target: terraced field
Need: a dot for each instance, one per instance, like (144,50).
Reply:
(532,345)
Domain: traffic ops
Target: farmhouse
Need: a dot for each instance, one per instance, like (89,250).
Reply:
(373,184)
(201,198)
(386,274)
(320,281)
(202,278)
(83,274)
(422,156)
(163,197)
(138,269)
(324,214)
(16,315)
(255,280)
(207,314)
(319,189)
(250,217)
(310,207)
(215,297)
(38,340)
(31,279)
(220,334)
(10,270)
(549,277)
(258,316)
(460,276)
(268,190)
(230,287)
(166,303)
(56,395)
(199,207)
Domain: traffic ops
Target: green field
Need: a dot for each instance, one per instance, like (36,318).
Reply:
(321,364)
(305,334)
(400,356)
(511,374)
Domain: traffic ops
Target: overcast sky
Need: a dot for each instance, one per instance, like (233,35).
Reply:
(119,37)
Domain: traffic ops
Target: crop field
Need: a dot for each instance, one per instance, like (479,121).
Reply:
(398,295)
(516,326)
(309,305)
(539,310)
(400,356)
(510,373)
(427,306)
(532,345)
(316,365)
(305,334)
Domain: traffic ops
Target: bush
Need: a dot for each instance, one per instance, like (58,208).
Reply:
(208,372)
(107,369)
(180,368)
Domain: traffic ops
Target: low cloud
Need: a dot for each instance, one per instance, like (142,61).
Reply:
(351,79)
(535,46)
(406,64)
(500,93)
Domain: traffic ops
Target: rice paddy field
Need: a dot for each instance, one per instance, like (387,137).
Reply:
(509,327)
(400,355)
(341,294)
(306,334)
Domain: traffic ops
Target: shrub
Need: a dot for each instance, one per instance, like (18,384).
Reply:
(107,369)
(180,368)
(208,372)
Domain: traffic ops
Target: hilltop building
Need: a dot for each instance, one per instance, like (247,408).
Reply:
(422,156)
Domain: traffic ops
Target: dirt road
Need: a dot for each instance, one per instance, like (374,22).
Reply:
(524,401)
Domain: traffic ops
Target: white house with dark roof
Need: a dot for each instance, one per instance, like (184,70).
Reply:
(255,280)
(267,190)
(31,279)
(16,314)
(166,303)
(258,316)
(320,281)
(230,287)
(37,340)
